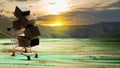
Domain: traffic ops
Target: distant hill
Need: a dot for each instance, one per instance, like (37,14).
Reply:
(102,29)
(4,24)
(98,30)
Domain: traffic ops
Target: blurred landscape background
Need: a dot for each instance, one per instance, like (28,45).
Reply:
(72,19)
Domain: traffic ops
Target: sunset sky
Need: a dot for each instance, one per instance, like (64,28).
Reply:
(66,12)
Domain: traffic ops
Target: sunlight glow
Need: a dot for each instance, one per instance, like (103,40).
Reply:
(56,24)
(57,6)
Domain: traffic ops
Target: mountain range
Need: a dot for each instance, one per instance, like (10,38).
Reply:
(98,30)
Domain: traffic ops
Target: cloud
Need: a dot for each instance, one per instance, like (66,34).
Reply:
(22,0)
(85,11)
(116,4)
(86,17)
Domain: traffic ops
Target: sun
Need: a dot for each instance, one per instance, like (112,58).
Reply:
(56,24)
(57,6)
